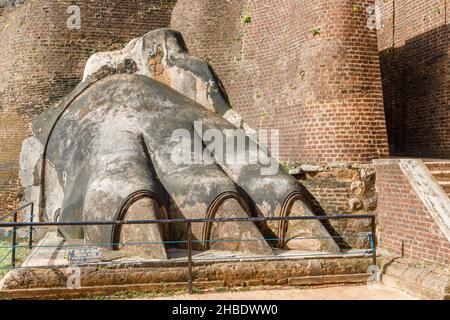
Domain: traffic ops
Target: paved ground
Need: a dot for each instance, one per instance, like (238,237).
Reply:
(51,251)
(377,292)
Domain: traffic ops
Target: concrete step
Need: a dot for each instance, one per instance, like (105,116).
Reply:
(446,186)
(441,175)
(441,172)
(438,165)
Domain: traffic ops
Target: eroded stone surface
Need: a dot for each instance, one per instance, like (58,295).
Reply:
(111,140)
(161,55)
(428,281)
(144,239)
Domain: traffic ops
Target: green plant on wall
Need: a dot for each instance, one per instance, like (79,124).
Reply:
(437,10)
(246,19)
(302,74)
(356,9)
(315,31)
(287,166)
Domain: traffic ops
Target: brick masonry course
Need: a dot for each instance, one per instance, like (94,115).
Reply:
(42,60)
(322,90)
(415,64)
(405,227)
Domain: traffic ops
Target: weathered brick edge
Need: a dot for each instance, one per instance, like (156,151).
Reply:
(422,280)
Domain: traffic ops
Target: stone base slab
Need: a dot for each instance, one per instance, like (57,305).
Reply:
(425,281)
(83,292)
(46,272)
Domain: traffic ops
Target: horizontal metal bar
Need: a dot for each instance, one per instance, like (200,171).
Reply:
(17,210)
(168,221)
(363,254)
(62,246)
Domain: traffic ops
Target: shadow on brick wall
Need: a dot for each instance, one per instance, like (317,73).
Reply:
(415,86)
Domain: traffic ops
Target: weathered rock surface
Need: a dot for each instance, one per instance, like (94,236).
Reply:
(109,145)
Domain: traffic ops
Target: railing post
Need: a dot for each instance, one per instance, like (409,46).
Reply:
(14,240)
(30,241)
(190,286)
(373,242)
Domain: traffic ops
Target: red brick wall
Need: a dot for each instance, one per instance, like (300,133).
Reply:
(414,53)
(402,218)
(323,92)
(41,60)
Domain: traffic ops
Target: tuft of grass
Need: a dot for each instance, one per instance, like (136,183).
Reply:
(302,74)
(315,31)
(245,19)
(356,9)
(287,166)
(5,255)
(128,295)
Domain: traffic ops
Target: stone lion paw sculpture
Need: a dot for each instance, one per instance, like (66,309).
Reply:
(107,152)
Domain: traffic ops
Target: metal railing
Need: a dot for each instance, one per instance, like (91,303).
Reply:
(14,215)
(189,223)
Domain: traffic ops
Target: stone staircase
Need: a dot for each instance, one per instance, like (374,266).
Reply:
(441,172)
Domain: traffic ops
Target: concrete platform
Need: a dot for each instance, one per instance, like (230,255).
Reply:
(52,251)
(46,272)
(424,280)
(356,292)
